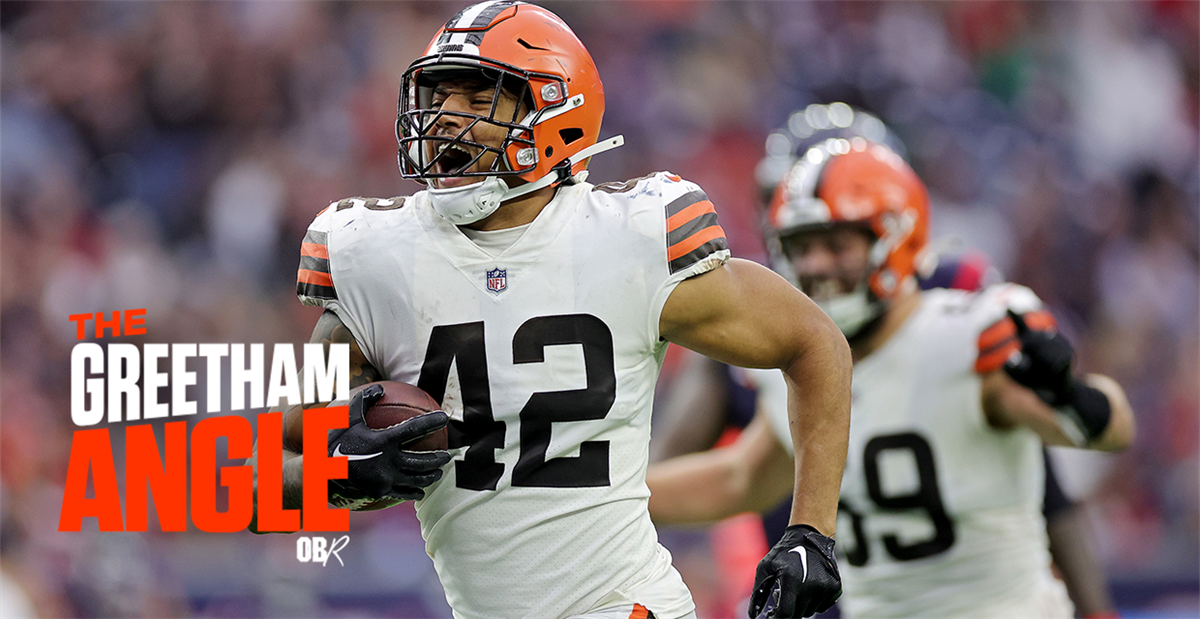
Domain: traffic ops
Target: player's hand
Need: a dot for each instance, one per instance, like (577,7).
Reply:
(799,576)
(379,467)
(1044,366)
(1044,363)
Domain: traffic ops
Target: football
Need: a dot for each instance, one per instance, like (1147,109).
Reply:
(400,401)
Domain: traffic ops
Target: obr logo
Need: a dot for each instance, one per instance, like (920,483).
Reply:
(319,549)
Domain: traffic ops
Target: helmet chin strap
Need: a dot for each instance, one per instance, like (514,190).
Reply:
(471,203)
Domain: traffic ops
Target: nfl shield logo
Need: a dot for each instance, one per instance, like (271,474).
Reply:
(497,280)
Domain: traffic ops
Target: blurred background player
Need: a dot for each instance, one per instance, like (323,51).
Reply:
(712,401)
(536,308)
(944,483)
(709,403)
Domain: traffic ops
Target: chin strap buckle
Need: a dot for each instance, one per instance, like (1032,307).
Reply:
(562,172)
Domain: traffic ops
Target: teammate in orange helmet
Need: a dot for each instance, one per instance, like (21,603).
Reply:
(954,395)
(536,307)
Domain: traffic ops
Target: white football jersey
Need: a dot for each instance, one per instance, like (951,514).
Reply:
(546,357)
(940,514)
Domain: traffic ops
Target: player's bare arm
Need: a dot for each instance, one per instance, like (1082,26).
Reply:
(1121,428)
(746,315)
(328,330)
(751,475)
(1008,404)
(1037,388)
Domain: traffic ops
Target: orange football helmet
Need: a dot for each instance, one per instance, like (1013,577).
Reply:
(856,181)
(525,50)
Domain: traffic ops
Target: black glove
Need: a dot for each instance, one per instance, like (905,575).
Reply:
(799,575)
(379,467)
(1044,363)
(1044,366)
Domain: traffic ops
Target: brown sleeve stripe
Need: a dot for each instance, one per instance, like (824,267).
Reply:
(684,201)
(692,230)
(689,213)
(313,278)
(707,242)
(315,237)
(687,237)
(317,278)
(319,265)
(314,284)
(314,291)
(697,239)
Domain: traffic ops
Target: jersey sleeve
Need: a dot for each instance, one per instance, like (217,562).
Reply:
(998,340)
(322,249)
(695,240)
(314,279)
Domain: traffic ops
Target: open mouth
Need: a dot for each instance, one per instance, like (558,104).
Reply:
(452,158)
(823,288)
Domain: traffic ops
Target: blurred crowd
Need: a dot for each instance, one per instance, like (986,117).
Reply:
(169,156)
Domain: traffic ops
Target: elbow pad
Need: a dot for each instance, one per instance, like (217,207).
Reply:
(1085,415)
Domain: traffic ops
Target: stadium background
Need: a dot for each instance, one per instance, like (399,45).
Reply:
(170,155)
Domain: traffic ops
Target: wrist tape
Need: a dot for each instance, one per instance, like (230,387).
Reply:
(1085,415)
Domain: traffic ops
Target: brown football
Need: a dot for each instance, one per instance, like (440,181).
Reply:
(400,401)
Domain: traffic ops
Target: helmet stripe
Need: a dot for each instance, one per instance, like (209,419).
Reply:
(489,12)
(466,17)
(472,18)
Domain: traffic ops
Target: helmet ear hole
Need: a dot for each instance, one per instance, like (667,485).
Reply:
(549,151)
(570,134)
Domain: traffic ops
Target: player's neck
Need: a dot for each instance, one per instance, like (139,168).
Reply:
(891,321)
(516,212)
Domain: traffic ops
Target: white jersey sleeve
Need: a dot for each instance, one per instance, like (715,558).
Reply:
(314,281)
(321,269)
(695,243)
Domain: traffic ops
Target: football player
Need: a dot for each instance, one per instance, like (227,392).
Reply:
(536,308)
(709,396)
(954,395)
